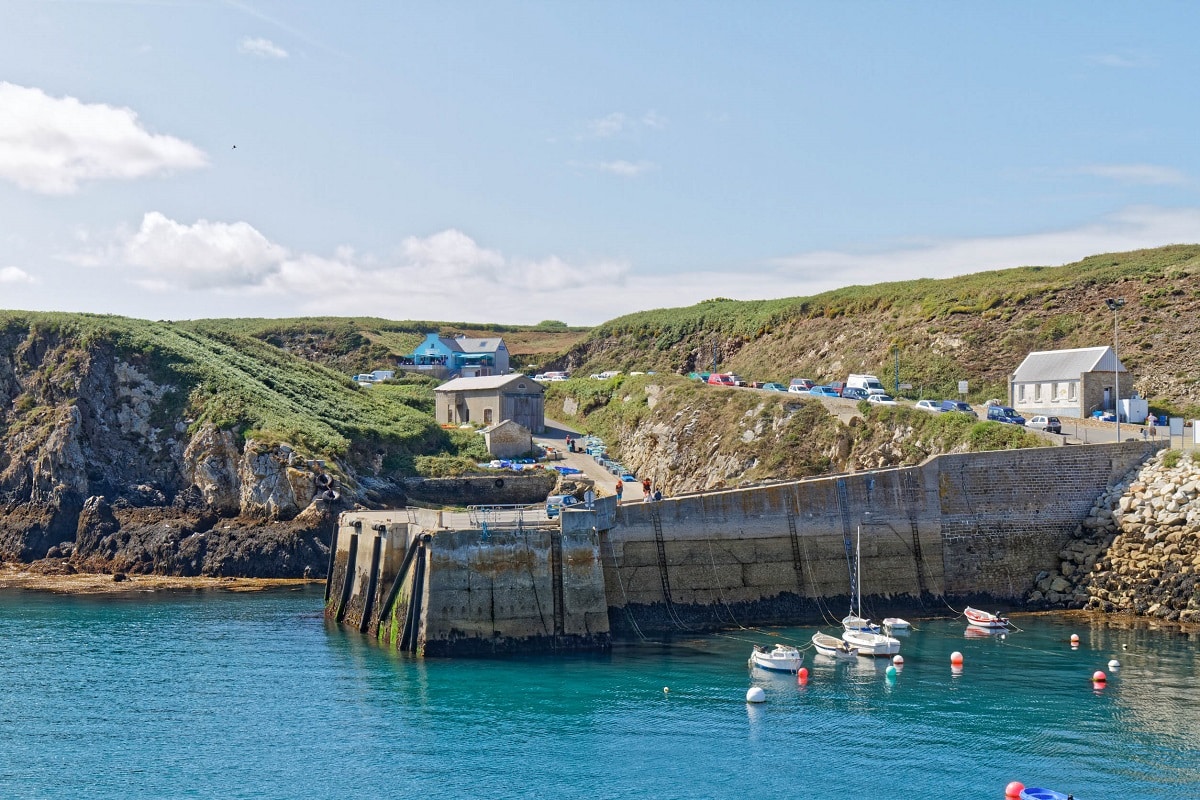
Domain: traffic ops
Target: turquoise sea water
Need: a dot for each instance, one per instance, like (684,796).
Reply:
(220,695)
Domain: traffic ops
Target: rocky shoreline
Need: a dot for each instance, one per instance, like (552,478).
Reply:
(34,577)
(1138,551)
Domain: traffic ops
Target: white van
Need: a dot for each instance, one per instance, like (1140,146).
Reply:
(868,383)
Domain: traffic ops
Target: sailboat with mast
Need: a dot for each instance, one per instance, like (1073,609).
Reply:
(860,633)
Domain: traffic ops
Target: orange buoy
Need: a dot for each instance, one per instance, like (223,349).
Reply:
(956,658)
(1099,677)
(802,676)
(898,660)
(1014,789)
(1074,638)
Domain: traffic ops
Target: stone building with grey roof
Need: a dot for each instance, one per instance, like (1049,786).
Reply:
(491,399)
(1069,383)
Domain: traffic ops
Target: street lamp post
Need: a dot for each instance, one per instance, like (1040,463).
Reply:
(1115,306)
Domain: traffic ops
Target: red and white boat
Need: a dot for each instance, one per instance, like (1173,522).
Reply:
(984,619)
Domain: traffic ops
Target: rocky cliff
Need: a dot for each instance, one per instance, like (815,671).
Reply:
(99,471)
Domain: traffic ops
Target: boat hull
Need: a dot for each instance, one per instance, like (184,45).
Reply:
(832,646)
(872,644)
(781,659)
(983,619)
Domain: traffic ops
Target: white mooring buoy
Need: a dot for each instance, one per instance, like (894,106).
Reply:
(756,695)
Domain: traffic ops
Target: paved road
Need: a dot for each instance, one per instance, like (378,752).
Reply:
(556,437)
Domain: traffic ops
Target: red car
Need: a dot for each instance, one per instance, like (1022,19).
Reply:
(724,379)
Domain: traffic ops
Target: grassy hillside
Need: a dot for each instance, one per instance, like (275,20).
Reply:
(975,327)
(235,380)
(689,437)
(362,344)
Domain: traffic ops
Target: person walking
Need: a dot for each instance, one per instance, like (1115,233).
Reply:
(645,490)
(620,489)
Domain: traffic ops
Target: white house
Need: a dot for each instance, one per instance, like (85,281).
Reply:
(1069,383)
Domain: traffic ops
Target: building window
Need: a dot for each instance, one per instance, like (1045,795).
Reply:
(1021,393)
(487,416)
(450,416)
(1071,390)
(1037,393)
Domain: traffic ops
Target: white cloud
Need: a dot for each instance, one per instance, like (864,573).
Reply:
(262,48)
(231,269)
(50,145)
(1136,173)
(618,123)
(1131,229)
(608,126)
(1121,60)
(626,169)
(14,275)
(203,255)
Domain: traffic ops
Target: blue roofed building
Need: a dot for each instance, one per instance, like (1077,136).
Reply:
(458,356)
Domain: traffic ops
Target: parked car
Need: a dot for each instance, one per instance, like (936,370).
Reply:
(804,382)
(959,405)
(557,502)
(1004,414)
(796,388)
(878,399)
(824,391)
(724,379)
(854,393)
(774,387)
(929,405)
(1047,424)
(837,386)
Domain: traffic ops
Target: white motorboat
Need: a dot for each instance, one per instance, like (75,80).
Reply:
(859,632)
(872,644)
(896,624)
(784,658)
(984,619)
(828,645)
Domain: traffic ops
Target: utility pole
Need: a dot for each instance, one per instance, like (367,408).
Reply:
(1115,306)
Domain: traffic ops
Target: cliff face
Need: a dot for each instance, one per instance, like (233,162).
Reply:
(98,470)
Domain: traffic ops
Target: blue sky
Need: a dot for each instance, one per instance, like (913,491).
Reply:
(515,162)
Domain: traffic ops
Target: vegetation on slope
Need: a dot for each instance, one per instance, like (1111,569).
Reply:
(236,381)
(933,333)
(362,344)
(691,436)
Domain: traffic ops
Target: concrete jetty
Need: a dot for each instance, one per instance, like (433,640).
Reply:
(974,528)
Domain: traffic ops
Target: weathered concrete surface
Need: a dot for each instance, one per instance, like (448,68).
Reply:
(961,528)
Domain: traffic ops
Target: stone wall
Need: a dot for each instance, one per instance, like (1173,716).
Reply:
(1138,550)
(509,488)
(976,527)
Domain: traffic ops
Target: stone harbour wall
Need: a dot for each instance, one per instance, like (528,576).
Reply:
(1138,550)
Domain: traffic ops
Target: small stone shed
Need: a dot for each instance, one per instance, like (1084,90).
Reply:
(508,439)
(1069,383)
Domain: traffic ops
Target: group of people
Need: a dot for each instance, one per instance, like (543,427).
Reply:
(648,491)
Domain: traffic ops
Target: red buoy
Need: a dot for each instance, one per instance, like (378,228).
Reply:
(1014,789)
(956,658)
(802,676)
(1099,677)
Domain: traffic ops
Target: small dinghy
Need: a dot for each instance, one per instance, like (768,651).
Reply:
(984,619)
(784,658)
(1038,793)
(896,624)
(832,646)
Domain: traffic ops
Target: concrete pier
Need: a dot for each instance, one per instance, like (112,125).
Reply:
(959,528)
